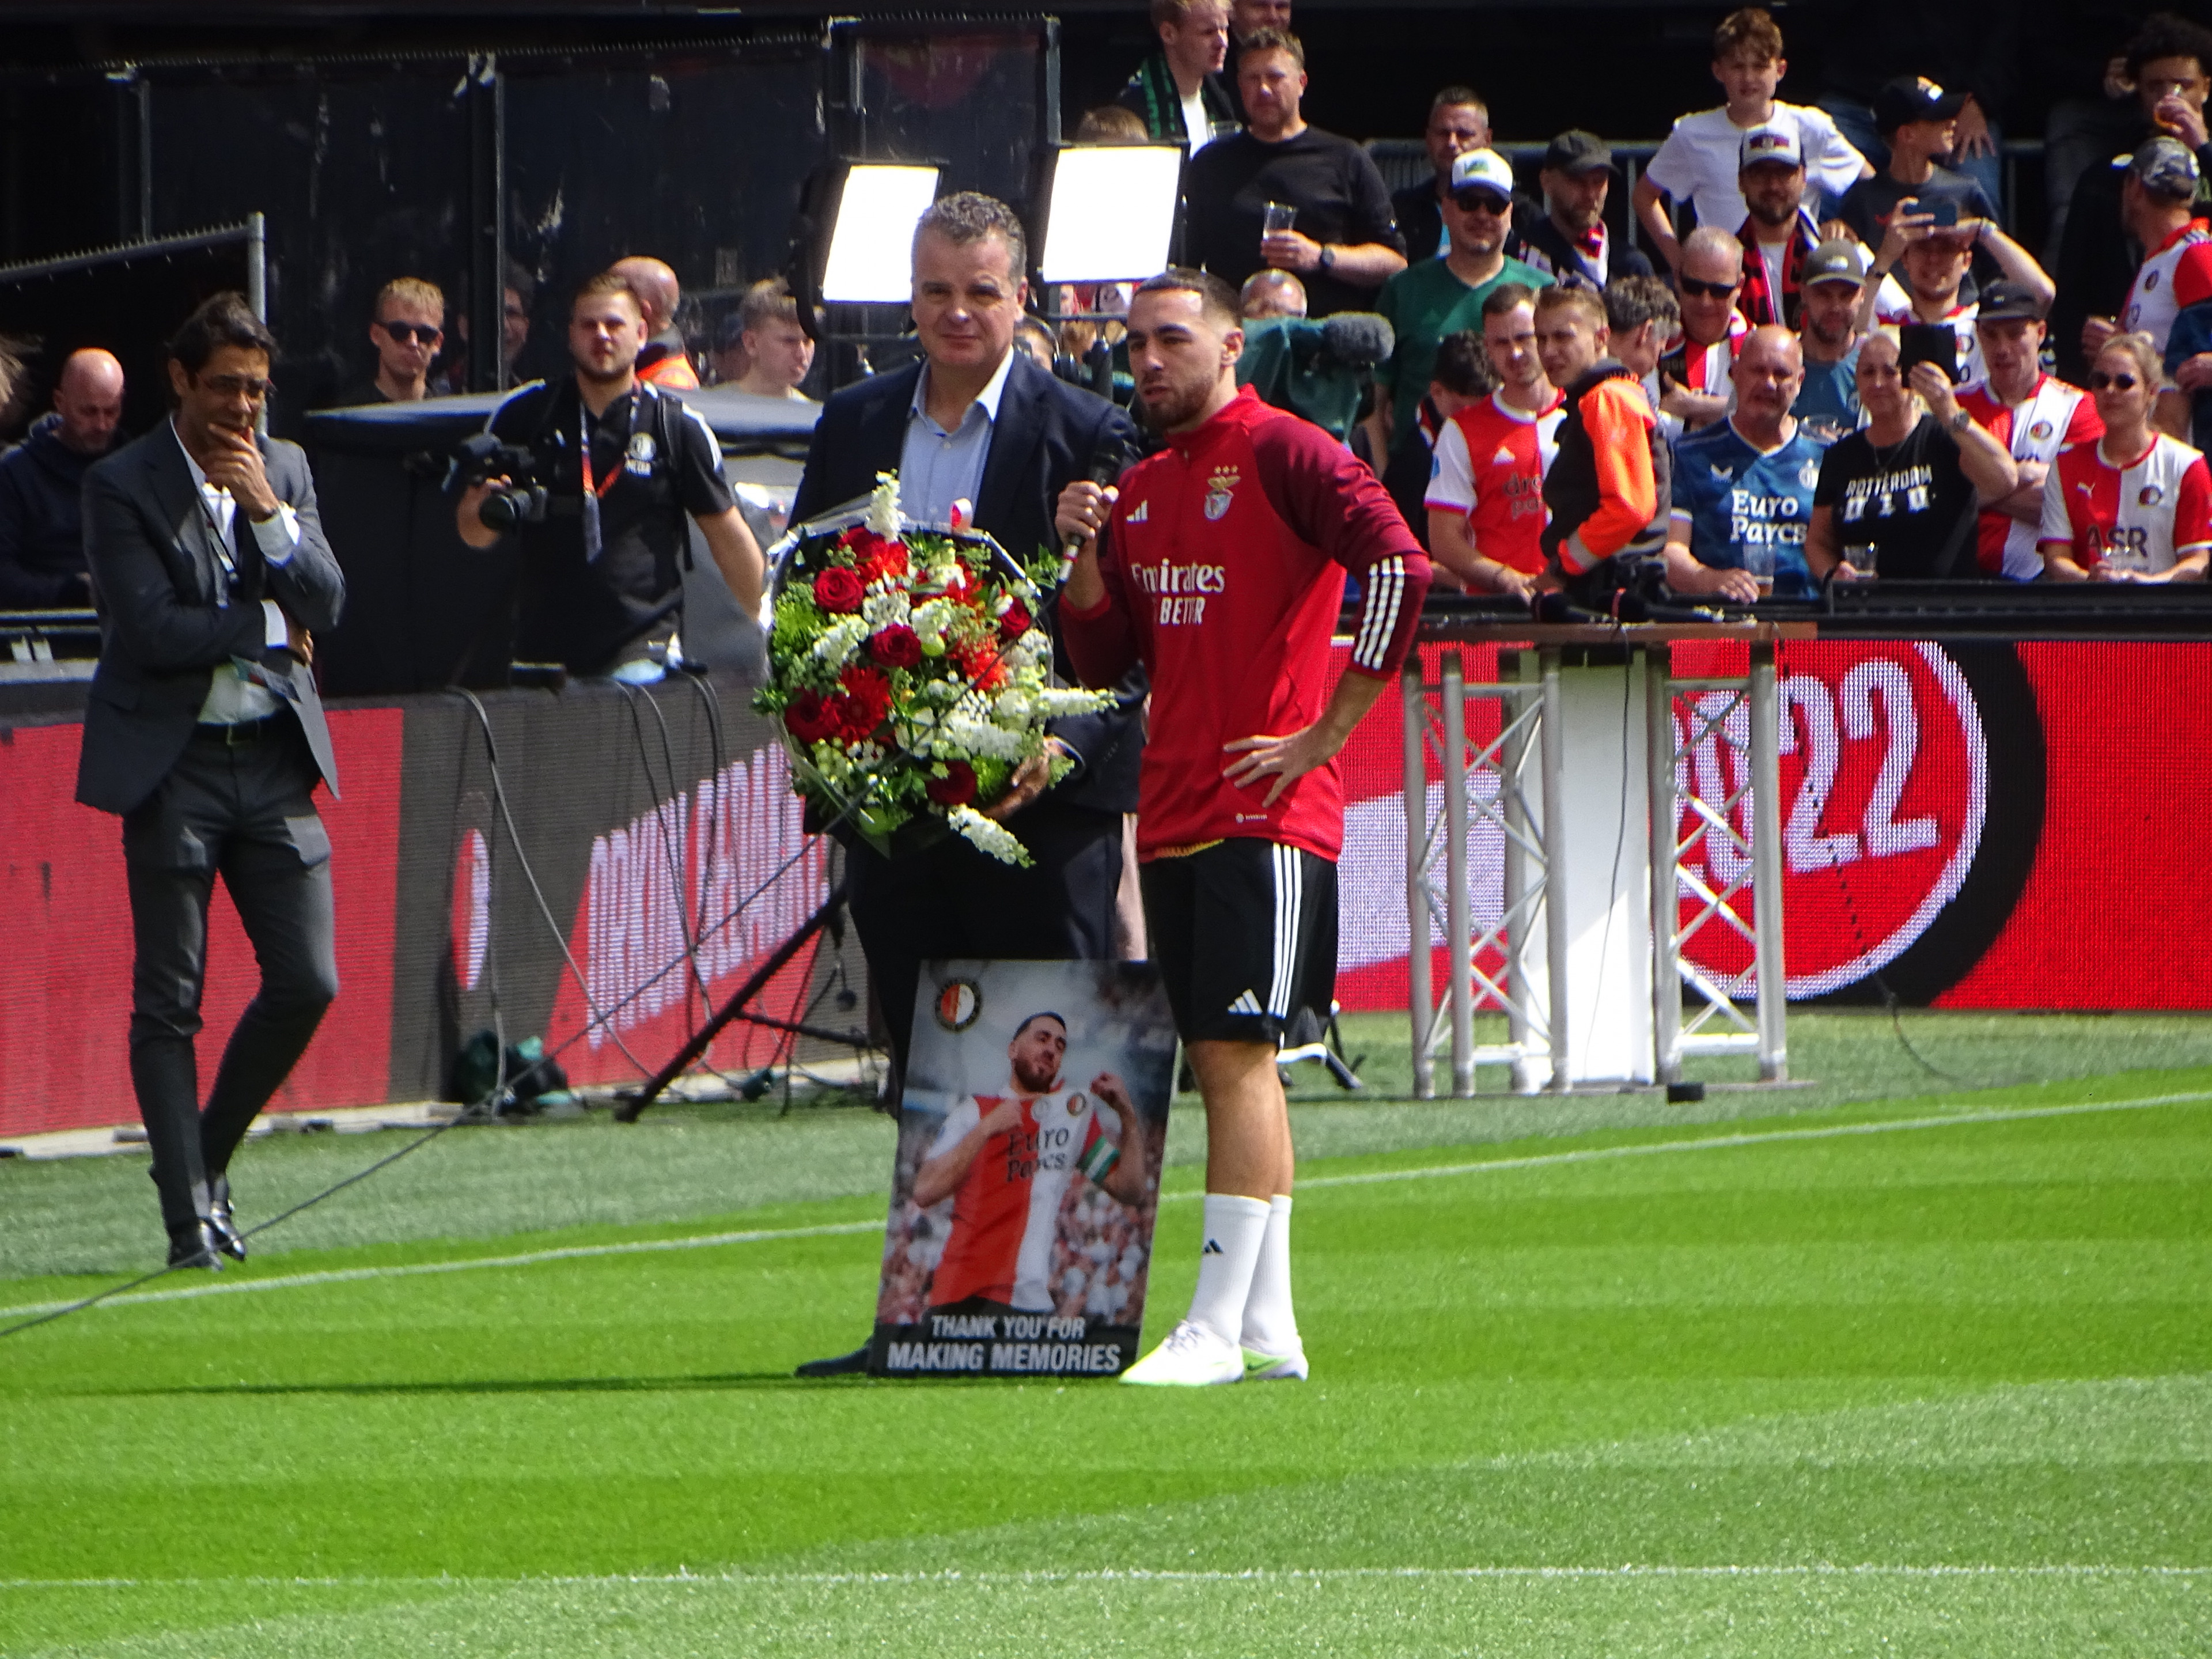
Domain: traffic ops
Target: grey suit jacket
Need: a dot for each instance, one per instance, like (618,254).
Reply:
(167,619)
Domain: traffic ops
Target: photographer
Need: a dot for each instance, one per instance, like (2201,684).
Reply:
(614,466)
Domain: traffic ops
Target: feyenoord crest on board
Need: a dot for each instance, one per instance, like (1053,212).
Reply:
(959,1003)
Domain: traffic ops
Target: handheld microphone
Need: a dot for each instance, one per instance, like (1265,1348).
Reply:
(1105,467)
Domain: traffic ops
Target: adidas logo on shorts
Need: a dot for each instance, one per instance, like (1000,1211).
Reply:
(1246,1003)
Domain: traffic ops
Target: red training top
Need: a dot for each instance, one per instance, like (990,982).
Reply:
(1224,560)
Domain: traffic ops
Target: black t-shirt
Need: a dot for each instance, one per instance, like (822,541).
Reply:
(664,463)
(1912,501)
(1420,218)
(1339,197)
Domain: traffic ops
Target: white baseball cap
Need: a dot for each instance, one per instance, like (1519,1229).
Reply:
(1482,169)
(1770,144)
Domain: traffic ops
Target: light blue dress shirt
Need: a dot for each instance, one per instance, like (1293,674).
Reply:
(938,467)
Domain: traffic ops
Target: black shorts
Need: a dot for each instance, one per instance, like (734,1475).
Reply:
(1244,936)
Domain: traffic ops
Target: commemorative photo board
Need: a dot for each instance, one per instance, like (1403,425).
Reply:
(1031,1129)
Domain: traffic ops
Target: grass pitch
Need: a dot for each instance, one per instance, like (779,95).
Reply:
(1927,1376)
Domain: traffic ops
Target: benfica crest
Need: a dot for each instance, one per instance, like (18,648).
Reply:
(1220,490)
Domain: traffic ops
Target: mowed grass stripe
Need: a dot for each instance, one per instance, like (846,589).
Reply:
(1359,1178)
(1168,1574)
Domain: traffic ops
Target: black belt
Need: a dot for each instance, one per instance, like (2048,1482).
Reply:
(231,734)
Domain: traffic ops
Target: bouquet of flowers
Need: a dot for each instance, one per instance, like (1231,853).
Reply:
(908,675)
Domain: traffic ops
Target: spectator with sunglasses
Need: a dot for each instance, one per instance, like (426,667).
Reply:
(2135,506)
(1433,298)
(409,326)
(1694,377)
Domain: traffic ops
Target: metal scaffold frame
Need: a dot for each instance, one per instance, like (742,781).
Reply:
(1528,711)
(1741,712)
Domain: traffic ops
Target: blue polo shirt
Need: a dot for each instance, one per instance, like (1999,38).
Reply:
(1732,497)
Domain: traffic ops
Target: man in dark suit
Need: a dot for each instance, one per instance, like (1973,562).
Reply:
(204,734)
(977,423)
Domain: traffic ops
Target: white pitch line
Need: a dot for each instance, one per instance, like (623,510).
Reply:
(1168,1574)
(1429,1172)
(408,1270)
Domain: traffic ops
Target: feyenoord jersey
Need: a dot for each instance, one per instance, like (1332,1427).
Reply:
(1007,1210)
(2049,419)
(2142,517)
(1490,464)
(2177,274)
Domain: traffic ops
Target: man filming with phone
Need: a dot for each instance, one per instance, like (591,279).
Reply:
(1931,248)
(616,466)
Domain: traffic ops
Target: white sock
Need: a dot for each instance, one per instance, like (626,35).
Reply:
(1234,1228)
(1270,1325)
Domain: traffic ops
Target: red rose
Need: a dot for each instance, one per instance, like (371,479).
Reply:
(863,702)
(1015,622)
(838,591)
(811,718)
(896,646)
(956,788)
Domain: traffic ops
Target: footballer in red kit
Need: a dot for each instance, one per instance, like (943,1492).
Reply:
(1221,568)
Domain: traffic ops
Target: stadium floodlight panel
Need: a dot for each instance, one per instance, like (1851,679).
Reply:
(1111,213)
(872,246)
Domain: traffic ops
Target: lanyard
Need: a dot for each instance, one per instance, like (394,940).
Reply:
(593,493)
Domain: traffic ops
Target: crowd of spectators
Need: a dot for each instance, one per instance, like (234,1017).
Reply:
(1851,250)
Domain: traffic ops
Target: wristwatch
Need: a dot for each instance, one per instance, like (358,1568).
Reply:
(1328,256)
(1960,422)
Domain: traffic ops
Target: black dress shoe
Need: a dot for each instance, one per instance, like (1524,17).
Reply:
(228,1238)
(195,1246)
(845,1365)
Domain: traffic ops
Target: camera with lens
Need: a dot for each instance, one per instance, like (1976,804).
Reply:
(515,497)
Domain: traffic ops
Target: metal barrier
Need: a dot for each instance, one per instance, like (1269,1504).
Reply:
(1518,784)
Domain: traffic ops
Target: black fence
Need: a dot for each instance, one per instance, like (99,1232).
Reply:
(466,167)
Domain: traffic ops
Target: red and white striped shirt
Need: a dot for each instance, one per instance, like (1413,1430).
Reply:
(2175,275)
(2052,417)
(2146,516)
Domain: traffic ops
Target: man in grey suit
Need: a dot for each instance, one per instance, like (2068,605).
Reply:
(204,734)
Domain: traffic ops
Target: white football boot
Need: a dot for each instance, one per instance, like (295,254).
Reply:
(1194,1356)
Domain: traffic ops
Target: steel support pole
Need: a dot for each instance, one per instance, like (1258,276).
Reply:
(1766,864)
(1512,778)
(1665,827)
(1420,1000)
(1458,928)
(1556,914)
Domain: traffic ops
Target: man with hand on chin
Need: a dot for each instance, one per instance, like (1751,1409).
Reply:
(1220,570)
(204,734)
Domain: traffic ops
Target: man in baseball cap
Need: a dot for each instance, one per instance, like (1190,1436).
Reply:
(1566,234)
(1433,299)
(1828,288)
(1778,231)
(2033,415)
(1919,122)
(2171,298)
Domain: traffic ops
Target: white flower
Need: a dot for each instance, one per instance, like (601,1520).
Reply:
(1057,701)
(1012,708)
(964,735)
(883,516)
(987,834)
(841,640)
(884,609)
